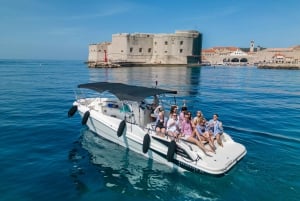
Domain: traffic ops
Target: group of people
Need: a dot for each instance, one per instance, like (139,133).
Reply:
(195,130)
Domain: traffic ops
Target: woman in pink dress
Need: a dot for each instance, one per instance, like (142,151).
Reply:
(188,133)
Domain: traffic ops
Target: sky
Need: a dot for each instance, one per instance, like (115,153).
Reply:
(63,29)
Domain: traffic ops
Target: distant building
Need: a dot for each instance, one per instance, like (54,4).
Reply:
(250,56)
(279,55)
(225,55)
(182,47)
(252,46)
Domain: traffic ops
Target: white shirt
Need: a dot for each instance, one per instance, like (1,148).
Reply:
(172,125)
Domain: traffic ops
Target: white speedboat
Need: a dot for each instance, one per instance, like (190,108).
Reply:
(125,119)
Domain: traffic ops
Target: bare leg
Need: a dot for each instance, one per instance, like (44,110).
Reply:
(211,144)
(204,137)
(210,141)
(218,136)
(163,132)
(199,144)
(158,131)
(172,135)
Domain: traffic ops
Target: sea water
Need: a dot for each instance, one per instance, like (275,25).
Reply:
(44,155)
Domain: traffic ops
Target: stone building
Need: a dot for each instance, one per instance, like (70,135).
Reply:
(225,55)
(289,55)
(251,56)
(179,48)
(97,52)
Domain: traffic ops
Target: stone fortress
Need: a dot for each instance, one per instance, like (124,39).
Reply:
(179,48)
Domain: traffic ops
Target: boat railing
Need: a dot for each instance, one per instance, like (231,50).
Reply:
(85,97)
(79,94)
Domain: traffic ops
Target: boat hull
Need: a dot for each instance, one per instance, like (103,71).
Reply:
(187,156)
(132,138)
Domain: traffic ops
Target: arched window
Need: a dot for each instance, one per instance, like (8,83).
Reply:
(244,60)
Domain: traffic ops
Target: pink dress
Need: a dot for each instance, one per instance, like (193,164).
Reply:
(186,129)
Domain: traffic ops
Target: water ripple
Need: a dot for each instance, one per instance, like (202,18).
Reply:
(44,155)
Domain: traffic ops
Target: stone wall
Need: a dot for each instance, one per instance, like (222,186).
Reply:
(177,48)
(97,52)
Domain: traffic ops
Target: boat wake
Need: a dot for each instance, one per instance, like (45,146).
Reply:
(264,134)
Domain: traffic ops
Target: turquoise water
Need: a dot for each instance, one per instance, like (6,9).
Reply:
(46,156)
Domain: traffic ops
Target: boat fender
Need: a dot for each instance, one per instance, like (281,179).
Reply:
(121,128)
(171,151)
(146,143)
(72,110)
(85,117)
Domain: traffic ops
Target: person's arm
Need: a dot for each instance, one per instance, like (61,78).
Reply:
(220,126)
(182,127)
(156,111)
(177,125)
(165,122)
(156,121)
(169,123)
(197,130)
(197,133)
